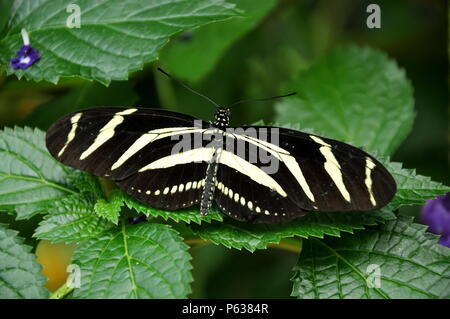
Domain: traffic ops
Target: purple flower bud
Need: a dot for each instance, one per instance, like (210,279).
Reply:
(26,57)
(137,219)
(436,214)
(445,240)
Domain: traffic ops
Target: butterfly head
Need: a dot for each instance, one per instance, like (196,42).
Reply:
(222,117)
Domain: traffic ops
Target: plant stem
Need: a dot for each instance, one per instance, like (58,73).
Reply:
(62,291)
(197,241)
(292,245)
(107,186)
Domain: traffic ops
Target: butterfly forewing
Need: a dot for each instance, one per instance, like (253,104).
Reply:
(135,147)
(317,173)
(97,139)
(350,179)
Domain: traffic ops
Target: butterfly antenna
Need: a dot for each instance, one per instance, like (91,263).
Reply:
(187,87)
(264,99)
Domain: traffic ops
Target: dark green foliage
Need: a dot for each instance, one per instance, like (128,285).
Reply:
(19,271)
(411,264)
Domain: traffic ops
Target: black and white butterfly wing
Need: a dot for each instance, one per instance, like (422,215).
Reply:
(301,172)
(264,175)
(340,176)
(239,197)
(133,146)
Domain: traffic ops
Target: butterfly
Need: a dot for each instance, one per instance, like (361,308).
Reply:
(258,174)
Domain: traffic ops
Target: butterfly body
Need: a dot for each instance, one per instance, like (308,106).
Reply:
(259,174)
(222,118)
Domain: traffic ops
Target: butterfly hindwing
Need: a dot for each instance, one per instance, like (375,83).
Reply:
(239,197)
(170,188)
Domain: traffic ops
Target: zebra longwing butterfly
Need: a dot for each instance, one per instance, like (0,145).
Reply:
(259,174)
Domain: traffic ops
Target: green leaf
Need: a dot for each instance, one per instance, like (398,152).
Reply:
(187,215)
(146,260)
(412,189)
(240,235)
(114,38)
(5,9)
(194,54)
(20,275)
(411,264)
(355,95)
(87,95)
(86,183)
(72,220)
(110,209)
(30,178)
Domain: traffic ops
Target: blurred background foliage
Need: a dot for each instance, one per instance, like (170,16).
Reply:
(254,56)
